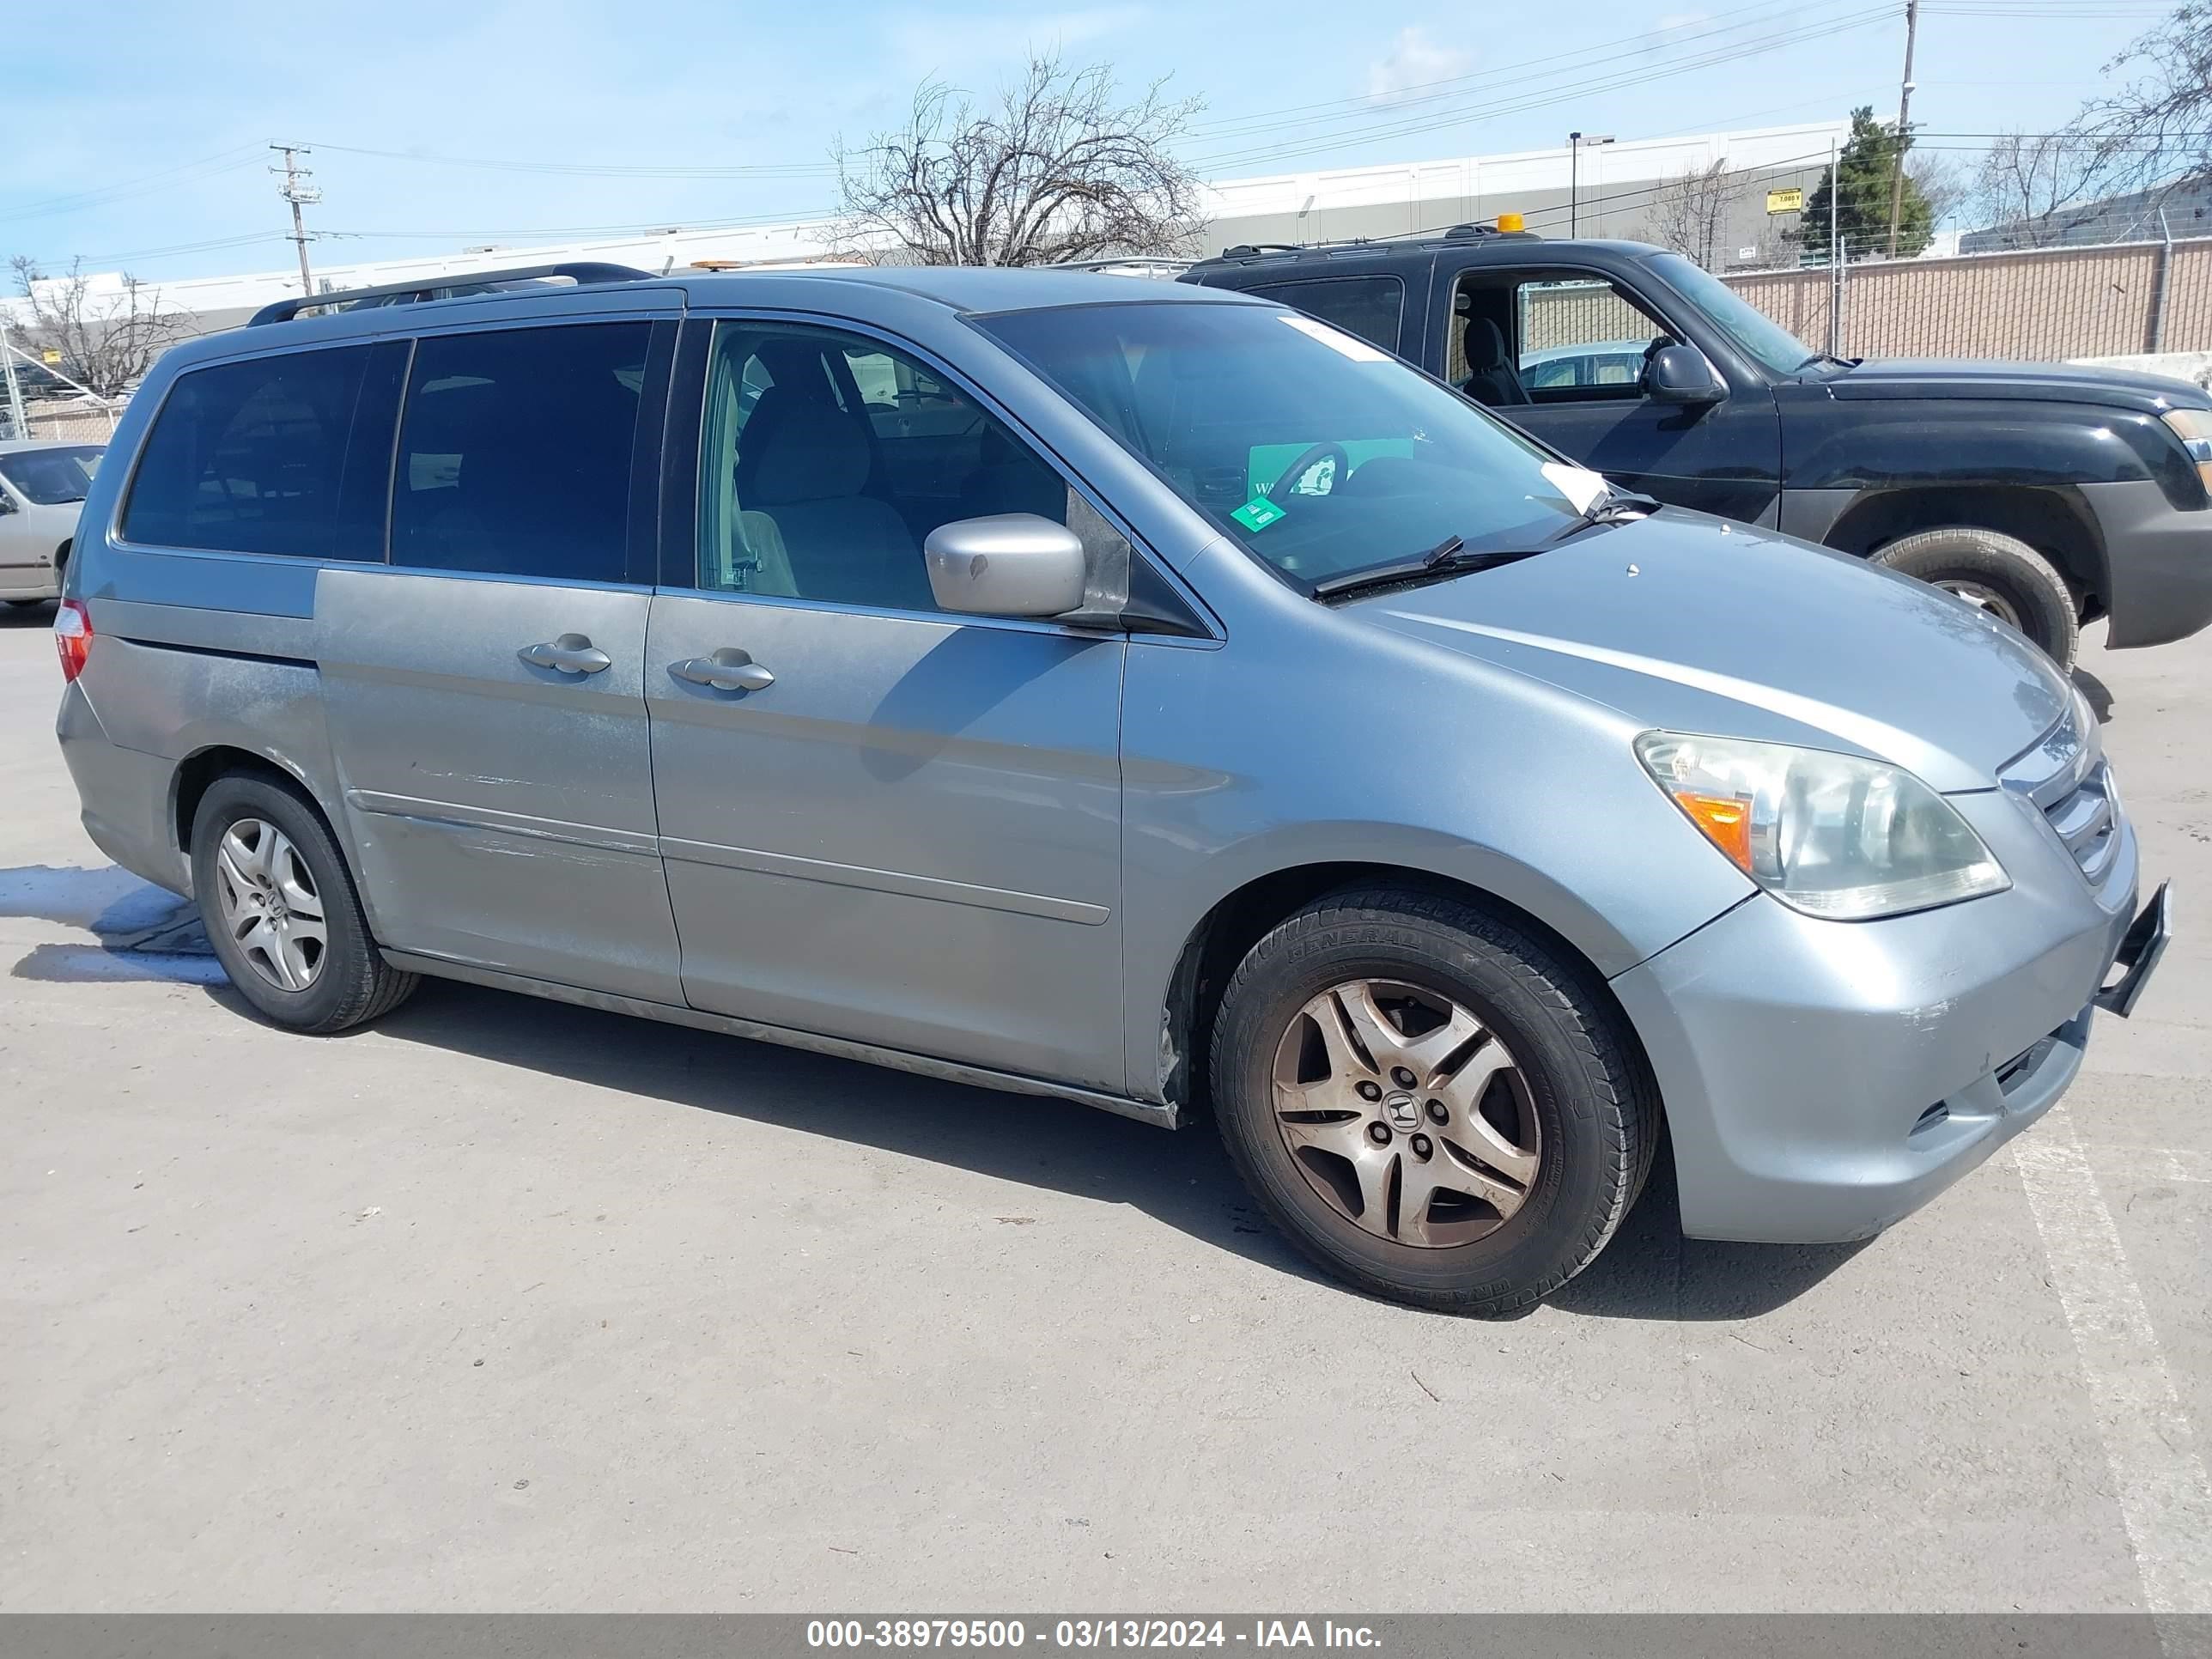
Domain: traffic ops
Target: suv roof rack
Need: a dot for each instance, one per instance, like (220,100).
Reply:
(451,284)
(1469,232)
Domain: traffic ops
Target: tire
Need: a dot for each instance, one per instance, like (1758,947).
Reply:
(1581,1115)
(348,981)
(2003,575)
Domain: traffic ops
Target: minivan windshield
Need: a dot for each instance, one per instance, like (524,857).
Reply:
(1754,333)
(53,477)
(1318,453)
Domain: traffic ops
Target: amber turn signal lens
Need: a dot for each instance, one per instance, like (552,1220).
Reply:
(1726,820)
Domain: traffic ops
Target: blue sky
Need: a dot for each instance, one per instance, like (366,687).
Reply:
(138,130)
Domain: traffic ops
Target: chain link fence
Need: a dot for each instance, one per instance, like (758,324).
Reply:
(77,421)
(2043,304)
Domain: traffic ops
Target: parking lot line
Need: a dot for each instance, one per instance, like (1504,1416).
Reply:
(2158,1475)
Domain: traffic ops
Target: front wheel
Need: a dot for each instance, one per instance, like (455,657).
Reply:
(2000,576)
(1430,1103)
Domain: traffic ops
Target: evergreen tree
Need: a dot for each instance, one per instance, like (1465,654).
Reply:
(1865,168)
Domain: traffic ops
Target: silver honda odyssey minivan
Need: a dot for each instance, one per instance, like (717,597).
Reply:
(1142,694)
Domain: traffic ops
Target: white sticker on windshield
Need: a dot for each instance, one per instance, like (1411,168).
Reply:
(1351,345)
(1583,488)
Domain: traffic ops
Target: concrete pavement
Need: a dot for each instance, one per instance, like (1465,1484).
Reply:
(503,1304)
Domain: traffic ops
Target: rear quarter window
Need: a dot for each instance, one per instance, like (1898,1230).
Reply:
(1373,308)
(286,454)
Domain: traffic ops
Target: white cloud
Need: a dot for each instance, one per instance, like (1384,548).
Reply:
(1414,60)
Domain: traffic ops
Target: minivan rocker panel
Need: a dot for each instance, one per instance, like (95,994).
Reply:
(1377,798)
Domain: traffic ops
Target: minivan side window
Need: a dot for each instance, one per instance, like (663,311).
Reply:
(515,452)
(286,454)
(826,458)
(1373,308)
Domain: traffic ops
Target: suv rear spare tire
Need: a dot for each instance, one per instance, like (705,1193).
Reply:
(1999,574)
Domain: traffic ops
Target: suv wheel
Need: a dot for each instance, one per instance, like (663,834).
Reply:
(1429,1103)
(282,912)
(1999,574)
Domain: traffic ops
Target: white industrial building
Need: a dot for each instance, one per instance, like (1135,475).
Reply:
(1604,189)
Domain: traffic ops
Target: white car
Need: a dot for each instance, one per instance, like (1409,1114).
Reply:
(42,486)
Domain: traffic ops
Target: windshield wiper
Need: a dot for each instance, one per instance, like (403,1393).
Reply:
(1614,507)
(1830,357)
(1448,557)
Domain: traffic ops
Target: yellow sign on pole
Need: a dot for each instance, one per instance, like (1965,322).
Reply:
(1785,201)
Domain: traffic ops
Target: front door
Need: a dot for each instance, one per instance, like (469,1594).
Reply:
(880,821)
(1561,353)
(485,689)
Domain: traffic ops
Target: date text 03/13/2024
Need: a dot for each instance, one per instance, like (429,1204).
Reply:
(999,1634)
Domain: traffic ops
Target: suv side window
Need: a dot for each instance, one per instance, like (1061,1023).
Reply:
(826,458)
(1561,338)
(286,454)
(1373,308)
(515,452)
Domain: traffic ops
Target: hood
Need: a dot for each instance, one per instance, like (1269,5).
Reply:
(58,520)
(1696,625)
(2081,383)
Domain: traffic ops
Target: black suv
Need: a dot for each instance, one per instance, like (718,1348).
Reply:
(2049,495)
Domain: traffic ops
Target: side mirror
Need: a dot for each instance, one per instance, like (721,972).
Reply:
(1011,564)
(7,503)
(1681,374)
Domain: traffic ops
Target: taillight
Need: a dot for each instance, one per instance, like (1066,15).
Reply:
(73,636)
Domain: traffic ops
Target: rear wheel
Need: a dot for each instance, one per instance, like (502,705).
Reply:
(1430,1103)
(281,911)
(2000,576)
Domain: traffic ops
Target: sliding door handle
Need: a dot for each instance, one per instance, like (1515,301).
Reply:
(727,670)
(572,653)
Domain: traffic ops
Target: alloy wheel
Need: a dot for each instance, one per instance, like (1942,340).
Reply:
(270,909)
(1982,597)
(1406,1113)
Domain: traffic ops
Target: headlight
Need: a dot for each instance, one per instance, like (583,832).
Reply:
(2194,427)
(1830,835)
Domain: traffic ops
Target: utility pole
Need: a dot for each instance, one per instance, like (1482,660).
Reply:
(1904,125)
(1576,145)
(297,190)
(1574,184)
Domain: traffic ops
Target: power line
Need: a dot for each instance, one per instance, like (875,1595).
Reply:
(1296,115)
(1580,89)
(208,167)
(597,169)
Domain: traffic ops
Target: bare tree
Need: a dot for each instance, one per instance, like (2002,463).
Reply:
(2036,187)
(2156,130)
(1060,169)
(1943,183)
(106,341)
(1690,210)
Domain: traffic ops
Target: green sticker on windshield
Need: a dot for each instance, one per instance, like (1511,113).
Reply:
(1257,513)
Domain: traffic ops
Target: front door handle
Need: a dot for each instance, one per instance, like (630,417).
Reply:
(727,670)
(572,653)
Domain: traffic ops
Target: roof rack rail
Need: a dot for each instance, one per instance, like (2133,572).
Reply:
(1244,250)
(451,284)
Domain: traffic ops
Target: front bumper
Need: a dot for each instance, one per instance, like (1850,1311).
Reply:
(1824,1079)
